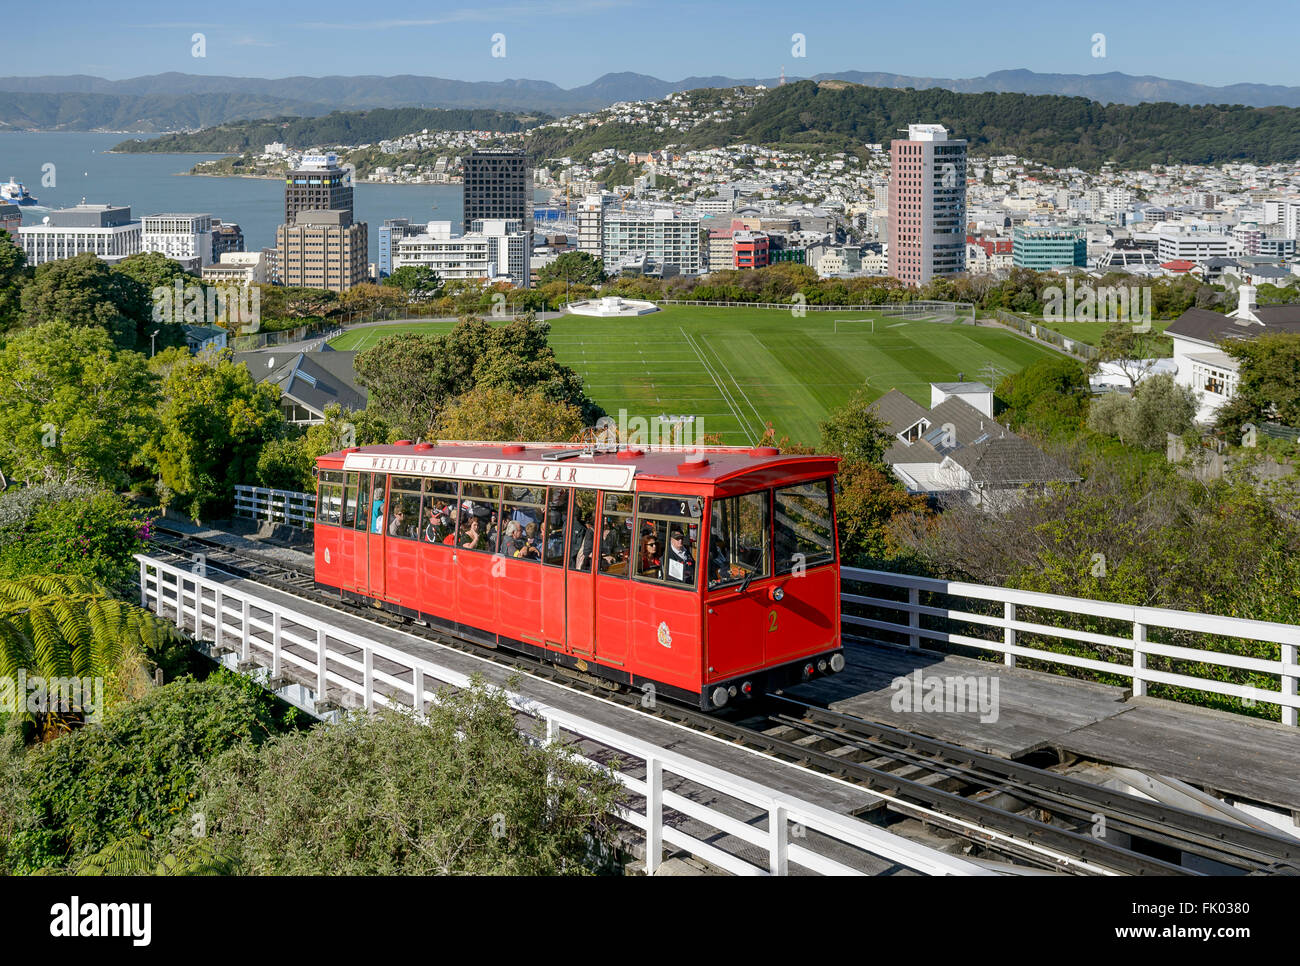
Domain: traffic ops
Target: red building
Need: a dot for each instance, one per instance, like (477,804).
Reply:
(751,249)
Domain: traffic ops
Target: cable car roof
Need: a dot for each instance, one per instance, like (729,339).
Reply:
(567,464)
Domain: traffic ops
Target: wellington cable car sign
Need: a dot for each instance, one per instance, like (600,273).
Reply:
(587,475)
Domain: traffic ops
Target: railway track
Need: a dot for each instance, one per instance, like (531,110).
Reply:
(1007,811)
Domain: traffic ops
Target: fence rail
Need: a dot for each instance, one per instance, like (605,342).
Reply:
(1041,333)
(934,619)
(278,643)
(882,307)
(275,506)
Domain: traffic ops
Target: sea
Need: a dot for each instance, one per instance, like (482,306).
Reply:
(154,184)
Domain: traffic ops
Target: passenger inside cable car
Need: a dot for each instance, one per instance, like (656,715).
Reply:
(681,562)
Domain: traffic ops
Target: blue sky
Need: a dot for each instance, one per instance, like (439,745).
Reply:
(572,42)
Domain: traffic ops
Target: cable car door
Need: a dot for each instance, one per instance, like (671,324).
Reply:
(376,533)
(579,589)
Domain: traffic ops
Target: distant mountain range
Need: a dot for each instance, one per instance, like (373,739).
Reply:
(174,101)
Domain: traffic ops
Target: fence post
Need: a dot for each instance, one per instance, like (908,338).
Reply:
(914,617)
(246,633)
(778,840)
(1139,659)
(1009,633)
(368,677)
(218,625)
(417,694)
(1290,655)
(144,592)
(654,814)
(321,681)
(275,645)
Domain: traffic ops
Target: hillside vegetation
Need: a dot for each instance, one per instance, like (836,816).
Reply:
(339,127)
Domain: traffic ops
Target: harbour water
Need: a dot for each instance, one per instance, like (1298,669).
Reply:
(156,183)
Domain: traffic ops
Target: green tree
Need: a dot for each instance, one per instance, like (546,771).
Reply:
(419,282)
(135,777)
(214,421)
(461,794)
(12,277)
(55,528)
(84,292)
(573,268)
(151,270)
(1050,397)
(63,626)
(498,413)
(71,405)
(1268,385)
(411,377)
(855,433)
(1127,348)
(1160,406)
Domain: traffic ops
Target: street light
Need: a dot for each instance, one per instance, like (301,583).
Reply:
(152,336)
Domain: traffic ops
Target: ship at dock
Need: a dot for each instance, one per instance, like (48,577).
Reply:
(15,193)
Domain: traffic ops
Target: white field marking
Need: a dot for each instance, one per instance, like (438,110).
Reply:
(726,369)
(722,390)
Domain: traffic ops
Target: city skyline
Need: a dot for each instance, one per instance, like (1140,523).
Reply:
(573,43)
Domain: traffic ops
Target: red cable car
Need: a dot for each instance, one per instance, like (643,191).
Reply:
(702,576)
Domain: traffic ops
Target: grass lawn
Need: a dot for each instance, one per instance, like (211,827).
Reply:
(736,369)
(1090,333)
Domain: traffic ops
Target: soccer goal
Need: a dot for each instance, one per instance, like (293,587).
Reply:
(858,326)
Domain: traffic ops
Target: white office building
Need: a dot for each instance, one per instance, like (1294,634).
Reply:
(663,238)
(106,231)
(1196,246)
(183,238)
(496,249)
(591,223)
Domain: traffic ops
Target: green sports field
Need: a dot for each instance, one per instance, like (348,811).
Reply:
(738,369)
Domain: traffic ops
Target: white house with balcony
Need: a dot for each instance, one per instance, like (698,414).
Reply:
(1199,335)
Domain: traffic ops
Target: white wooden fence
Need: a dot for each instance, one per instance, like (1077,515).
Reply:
(276,506)
(279,643)
(906,623)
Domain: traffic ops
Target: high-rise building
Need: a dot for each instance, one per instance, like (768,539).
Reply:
(105,230)
(927,205)
(498,183)
(1043,249)
(182,238)
(317,184)
(661,240)
(226,237)
(390,233)
(591,222)
(322,249)
(498,249)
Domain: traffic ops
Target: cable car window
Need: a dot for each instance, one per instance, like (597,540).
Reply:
(557,509)
(479,506)
(668,529)
(805,535)
(351,483)
(439,513)
(738,539)
(363,503)
(582,531)
(616,534)
(376,504)
(404,507)
(521,522)
(329,496)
